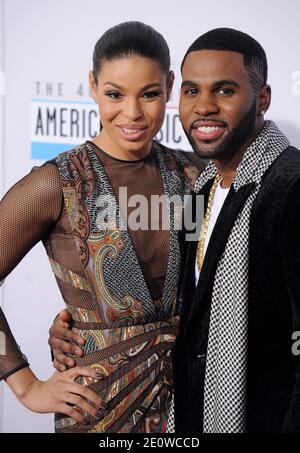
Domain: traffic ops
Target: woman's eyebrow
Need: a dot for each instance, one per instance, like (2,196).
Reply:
(113,84)
(146,87)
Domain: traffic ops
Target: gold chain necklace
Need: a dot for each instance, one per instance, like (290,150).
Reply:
(204,227)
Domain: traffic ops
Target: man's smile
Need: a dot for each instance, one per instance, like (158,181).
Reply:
(208,130)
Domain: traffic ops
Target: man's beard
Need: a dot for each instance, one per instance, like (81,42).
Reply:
(233,142)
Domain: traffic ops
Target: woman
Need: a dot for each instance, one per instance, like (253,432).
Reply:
(119,284)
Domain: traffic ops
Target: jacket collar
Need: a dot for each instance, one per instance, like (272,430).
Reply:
(232,206)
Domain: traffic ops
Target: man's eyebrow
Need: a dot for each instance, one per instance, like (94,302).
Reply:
(189,83)
(226,82)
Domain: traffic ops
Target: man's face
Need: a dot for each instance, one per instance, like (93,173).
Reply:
(217,103)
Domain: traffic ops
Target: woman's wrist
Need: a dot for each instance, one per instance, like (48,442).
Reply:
(21,381)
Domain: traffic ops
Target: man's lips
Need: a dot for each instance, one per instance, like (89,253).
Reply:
(132,133)
(208,130)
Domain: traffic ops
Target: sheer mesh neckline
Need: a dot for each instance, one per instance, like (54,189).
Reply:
(104,153)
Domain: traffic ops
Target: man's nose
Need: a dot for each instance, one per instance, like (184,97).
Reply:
(206,104)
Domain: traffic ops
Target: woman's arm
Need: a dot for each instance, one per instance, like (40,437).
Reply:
(28,213)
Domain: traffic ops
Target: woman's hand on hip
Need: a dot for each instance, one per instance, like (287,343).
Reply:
(59,393)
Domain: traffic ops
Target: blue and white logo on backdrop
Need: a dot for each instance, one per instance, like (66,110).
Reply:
(59,125)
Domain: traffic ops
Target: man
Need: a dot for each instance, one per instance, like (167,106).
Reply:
(234,370)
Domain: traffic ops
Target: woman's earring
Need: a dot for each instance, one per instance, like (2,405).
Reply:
(262,113)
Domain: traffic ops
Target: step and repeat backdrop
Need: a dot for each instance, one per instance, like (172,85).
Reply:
(45,107)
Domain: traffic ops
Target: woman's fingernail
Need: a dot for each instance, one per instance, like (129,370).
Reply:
(99,375)
(103,405)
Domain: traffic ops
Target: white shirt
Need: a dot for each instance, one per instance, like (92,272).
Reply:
(218,201)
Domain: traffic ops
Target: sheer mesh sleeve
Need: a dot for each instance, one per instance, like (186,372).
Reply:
(28,212)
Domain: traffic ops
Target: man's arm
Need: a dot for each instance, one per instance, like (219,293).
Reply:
(290,250)
(63,340)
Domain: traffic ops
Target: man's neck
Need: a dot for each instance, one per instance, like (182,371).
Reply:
(227,168)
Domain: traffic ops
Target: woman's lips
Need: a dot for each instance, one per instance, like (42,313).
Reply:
(132,133)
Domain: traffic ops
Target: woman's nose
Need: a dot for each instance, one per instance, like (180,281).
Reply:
(132,110)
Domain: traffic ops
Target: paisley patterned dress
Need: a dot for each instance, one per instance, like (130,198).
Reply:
(128,335)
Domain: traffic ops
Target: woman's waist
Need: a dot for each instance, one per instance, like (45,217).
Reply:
(105,317)
(130,359)
(127,341)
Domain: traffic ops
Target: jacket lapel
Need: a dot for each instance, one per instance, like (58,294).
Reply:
(229,212)
(189,250)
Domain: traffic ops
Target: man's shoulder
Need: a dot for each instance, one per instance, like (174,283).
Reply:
(285,171)
(182,158)
(281,182)
(280,186)
(291,154)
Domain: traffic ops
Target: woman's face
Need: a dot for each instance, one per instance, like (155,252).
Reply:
(131,93)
